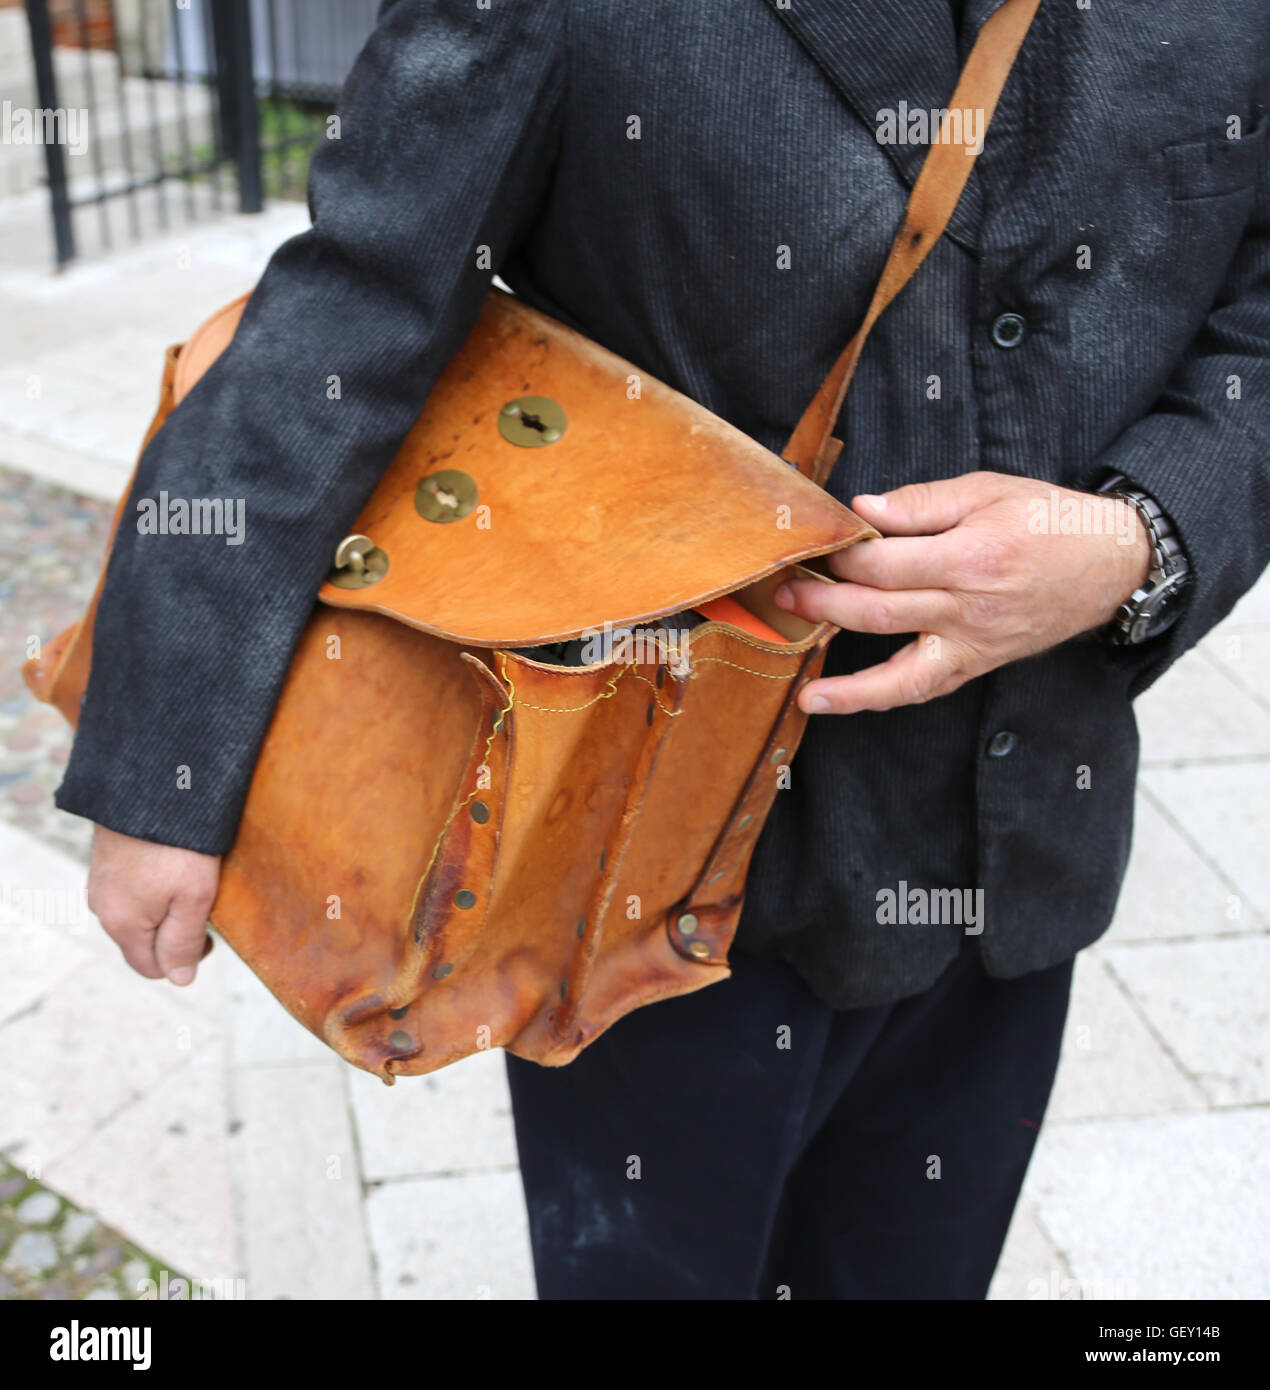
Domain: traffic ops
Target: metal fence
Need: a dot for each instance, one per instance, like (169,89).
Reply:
(183,97)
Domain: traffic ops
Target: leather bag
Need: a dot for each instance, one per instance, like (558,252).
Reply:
(520,851)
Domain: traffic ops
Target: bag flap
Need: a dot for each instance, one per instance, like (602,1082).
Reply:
(645,503)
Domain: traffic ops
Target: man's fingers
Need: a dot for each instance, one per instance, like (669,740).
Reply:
(178,945)
(137,945)
(859,608)
(900,562)
(923,509)
(910,677)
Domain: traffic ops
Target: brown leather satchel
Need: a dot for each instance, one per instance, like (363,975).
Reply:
(516,851)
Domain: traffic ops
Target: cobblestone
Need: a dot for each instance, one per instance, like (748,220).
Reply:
(39,524)
(52,1250)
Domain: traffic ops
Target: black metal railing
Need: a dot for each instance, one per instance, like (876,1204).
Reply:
(181,97)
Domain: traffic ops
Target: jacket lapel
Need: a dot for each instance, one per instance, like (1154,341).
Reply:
(879,53)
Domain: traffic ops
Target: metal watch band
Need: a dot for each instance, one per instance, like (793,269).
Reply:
(1136,619)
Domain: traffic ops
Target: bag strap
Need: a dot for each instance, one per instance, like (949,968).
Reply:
(935,194)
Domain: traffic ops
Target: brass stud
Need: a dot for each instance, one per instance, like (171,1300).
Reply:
(532,421)
(442,971)
(744,821)
(779,754)
(480,812)
(399,1013)
(358,563)
(465,898)
(445,496)
(699,949)
(687,924)
(399,1040)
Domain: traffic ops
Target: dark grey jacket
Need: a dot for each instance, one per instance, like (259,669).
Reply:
(730,249)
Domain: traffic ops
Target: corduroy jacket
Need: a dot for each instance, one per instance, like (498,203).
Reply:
(709,190)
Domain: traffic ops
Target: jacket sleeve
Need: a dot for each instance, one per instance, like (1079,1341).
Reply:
(447,137)
(1204,451)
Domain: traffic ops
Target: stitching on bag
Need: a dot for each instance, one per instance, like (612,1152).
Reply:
(607,693)
(749,670)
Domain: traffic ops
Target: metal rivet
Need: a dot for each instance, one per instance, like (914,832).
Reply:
(699,949)
(445,496)
(480,812)
(687,924)
(400,1039)
(779,754)
(442,971)
(399,1013)
(532,421)
(465,898)
(358,563)
(744,821)
(581,927)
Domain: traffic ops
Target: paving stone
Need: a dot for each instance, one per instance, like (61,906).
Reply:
(1169,1206)
(456,1119)
(1222,808)
(104,1039)
(1208,1000)
(32,1252)
(452,1238)
(1197,711)
(159,1170)
(1170,891)
(38,1209)
(1242,652)
(1111,1062)
(295,1163)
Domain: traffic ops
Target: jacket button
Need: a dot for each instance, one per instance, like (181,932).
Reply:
(1008,330)
(1001,744)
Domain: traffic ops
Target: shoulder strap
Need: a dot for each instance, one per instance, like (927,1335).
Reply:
(935,193)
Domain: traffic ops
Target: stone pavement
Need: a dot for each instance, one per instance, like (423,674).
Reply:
(220,1138)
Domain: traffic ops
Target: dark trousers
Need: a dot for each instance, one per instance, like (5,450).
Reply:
(748,1141)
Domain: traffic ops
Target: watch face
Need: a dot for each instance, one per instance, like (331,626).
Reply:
(1159,609)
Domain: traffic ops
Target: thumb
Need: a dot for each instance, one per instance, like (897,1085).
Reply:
(179,941)
(925,509)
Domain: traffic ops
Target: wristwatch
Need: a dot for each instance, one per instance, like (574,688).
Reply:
(1155,607)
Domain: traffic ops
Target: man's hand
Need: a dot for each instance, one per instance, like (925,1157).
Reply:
(153,901)
(985,568)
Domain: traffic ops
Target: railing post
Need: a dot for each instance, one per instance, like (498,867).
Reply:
(236,91)
(37,13)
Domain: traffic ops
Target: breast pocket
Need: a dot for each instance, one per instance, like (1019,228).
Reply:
(1215,166)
